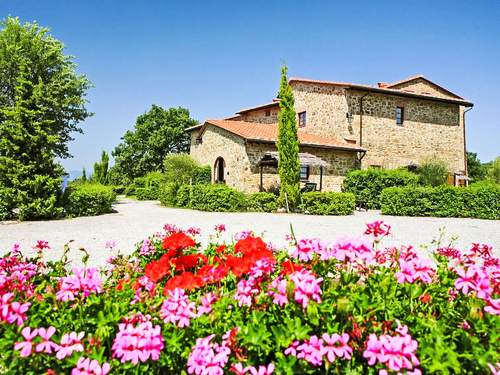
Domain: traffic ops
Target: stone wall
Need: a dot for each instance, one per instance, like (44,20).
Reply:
(263,116)
(421,86)
(431,129)
(241,161)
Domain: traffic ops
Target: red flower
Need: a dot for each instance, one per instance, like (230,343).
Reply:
(186,280)
(178,241)
(212,274)
(220,249)
(250,245)
(156,270)
(185,262)
(290,267)
(425,298)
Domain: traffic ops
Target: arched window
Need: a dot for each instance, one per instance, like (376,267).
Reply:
(219,170)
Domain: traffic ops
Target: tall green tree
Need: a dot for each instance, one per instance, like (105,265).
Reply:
(476,170)
(288,145)
(100,174)
(156,133)
(42,101)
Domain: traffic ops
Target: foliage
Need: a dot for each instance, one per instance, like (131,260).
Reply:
(88,199)
(479,201)
(156,133)
(168,194)
(288,146)
(7,198)
(84,175)
(183,169)
(433,172)
(215,198)
(328,203)
(147,187)
(494,170)
(262,202)
(367,184)
(100,174)
(475,169)
(183,197)
(42,100)
(350,306)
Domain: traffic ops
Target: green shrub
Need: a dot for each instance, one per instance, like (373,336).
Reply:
(367,184)
(433,172)
(118,189)
(40,198)
(129,190)
(147,187)
(88,199)
(147,193)
(262,202)
(202,175)
(7,203)
(183,198)
(183,169)
(494,170)
(167,194)
(480,201)
(328,203)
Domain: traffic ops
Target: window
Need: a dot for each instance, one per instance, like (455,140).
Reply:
(304,172)
(268,113)
(219,170)
(400,115)
(302,119)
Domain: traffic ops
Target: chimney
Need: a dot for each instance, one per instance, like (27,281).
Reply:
(382,84)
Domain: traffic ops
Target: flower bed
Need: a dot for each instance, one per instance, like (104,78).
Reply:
(174,306)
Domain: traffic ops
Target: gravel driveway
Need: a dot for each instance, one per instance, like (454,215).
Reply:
(135,220)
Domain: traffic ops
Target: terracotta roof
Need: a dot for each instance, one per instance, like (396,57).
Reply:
(274,103)
(268,133)
(388,90)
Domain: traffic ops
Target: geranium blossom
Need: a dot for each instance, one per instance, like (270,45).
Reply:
(177,308)
(147,248)
(178,241)
(70,342)
(86,366)
(207,357)
(378,229)
(336,346)
(13,311)
(138,342)
(307,287)
(306,249)
(83,282)
(277,290)
(26,347)
(415,269)
(206,304)
(46,345)
(245,290)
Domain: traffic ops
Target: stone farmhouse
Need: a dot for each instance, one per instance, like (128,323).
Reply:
(341,126)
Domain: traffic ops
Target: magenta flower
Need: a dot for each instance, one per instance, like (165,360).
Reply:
(85,366)
(138,342)
(261,268)
(307,248)
(493,306)
(311,351)
(110,244)
(206,304)
(207,357)
(358,249)
(177,308)
(336,346)
(46,346)
(70,342)
(245,290)
(277,290)
(307,287)
(193,231)
(415,269)
(466,280)
(292,349)
(378,229)
(220,228)
(26,347)
(13,311)
(41,245)
(84,281)
(147,248)
(262,370)
(243,234)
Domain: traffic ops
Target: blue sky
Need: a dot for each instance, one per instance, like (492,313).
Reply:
(215,57)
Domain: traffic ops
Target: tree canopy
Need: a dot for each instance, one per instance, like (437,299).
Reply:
(475,169)
(156,133)
(42,101)
(288,145)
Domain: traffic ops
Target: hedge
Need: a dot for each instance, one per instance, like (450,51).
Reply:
(481,202)
(328,203)
(367,184)
(167,194)
(88,199)
(6,203)
(262,202)
(216,198)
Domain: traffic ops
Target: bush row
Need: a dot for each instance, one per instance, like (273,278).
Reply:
(367,184)
(482,201)
(217,197)
(88,199)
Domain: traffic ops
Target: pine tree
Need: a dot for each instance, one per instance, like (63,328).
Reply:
(100,174)
(288,146)
(84,175)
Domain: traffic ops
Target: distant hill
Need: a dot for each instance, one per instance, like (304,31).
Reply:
(74,174)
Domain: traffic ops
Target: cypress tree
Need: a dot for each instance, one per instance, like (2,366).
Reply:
(288,145)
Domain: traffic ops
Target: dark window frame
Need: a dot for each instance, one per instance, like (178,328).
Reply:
(302,119)
(400,115)
(307,172)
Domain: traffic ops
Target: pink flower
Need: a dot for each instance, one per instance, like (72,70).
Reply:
(138,341)
(193,231)
(493,306)
(466,280)
(307,248)
(336,346)
(110,244)
(307,287)
(85,366)
(242,235)
(277,290)
(41,245)
(311,351)
(147,248)
(292,349)
(352,250)
(495,369)
(261,268)
(207,357)
(26,347)
(177,308)
(70,342)
(378,229)
(415,269)
(220,228)
(206,304)
(12,311)
(46,345)
(245,290)
(84,281)
(262,370)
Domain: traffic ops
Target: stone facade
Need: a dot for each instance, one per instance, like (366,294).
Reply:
(432,129)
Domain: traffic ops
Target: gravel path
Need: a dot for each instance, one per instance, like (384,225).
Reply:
(135,220)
